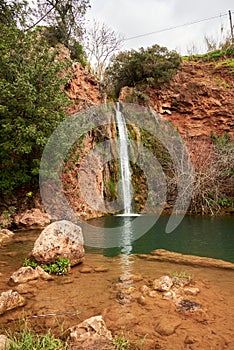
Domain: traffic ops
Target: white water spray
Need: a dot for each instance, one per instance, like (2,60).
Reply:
(124,161)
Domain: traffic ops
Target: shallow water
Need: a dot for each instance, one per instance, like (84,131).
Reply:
(96,293)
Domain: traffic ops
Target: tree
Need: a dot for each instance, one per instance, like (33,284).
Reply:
(13,13)
(64,17)
(154,65)
(101,43)
(32,103)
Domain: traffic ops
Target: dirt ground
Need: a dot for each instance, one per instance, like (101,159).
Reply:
(117,289)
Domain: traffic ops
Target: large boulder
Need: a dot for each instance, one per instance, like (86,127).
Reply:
(59,239)
(91,334)
(10,300)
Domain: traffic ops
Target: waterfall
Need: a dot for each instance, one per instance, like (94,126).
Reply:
(124,164)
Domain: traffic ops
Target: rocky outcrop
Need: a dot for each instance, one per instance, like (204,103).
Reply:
(32,219)
(198,101)
(83,87)
(59,239)
(91,334)
(10,300)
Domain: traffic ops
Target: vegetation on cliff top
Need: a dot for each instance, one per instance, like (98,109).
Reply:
(155,65)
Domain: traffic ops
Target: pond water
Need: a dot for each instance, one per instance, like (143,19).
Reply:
(202,236)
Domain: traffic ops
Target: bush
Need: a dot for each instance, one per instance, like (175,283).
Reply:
(155,66)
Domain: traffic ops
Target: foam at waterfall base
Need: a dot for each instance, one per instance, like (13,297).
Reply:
(129,214)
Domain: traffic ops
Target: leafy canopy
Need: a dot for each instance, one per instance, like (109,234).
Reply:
(154,65)
(32,103)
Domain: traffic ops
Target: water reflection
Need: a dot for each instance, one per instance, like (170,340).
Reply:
(202,236)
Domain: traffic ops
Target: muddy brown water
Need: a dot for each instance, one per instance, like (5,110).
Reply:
(94,288)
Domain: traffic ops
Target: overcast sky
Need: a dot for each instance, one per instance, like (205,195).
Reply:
(135,17)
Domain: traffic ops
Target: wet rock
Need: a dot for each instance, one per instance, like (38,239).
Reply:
(167,325)
(191,291)
(91,334)
(32,219)
(4,342)
(5,235)
(144,289)
(101,269)
(163,284)
(86,269)
(10,300)
(142,300)
(187,305)
(59,239)
(26,274)
(181,281)
(152,294)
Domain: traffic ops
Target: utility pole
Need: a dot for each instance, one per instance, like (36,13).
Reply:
(231,25)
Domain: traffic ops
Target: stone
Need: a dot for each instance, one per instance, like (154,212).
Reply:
(188,305)
(86,269)
(26,274)
(10,300)
(163,284)
(144,289)
(191,291)
(32,219)
(167,325)
(142,300)
(5,235)
(91,334)
(59,239)
(101,269)
(4,342)
(152,294)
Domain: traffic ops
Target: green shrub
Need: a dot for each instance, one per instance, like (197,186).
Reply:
(154,65)
(60,267)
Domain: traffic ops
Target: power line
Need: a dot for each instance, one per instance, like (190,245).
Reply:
(175,27)
(43,17)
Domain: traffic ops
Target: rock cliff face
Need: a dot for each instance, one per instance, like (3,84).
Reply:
(83,87)
(198,101)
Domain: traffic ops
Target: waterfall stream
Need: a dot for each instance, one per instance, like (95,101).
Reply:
(124,165)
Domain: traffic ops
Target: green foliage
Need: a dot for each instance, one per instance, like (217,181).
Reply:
(6,217)
(213,55)
(14,12)
(26,339)
(220,140)
(65,18)
(121,343)
(32,103)
(154,65)
(181,274)
(77,53)
(60,267)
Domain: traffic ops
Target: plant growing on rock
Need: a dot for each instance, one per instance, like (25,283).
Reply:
(60,267)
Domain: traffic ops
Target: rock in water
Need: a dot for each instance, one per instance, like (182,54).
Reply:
(91,334)
(61,239)
(10,300)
